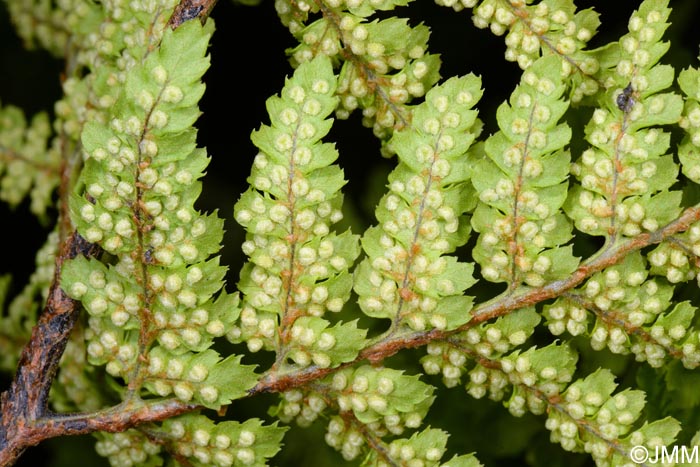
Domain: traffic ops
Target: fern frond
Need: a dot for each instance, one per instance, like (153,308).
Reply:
(550,27)
(588,417)
(201,441)
(582,415)
(22,311)
(384,63)
(39,23)
(298,268)
(625,177)
(522,186)
(29,166)
(152,312)
(407,276)
(371,404)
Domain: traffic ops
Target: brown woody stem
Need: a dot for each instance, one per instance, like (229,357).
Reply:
(26,401)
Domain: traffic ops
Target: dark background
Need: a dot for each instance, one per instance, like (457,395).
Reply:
(248,65)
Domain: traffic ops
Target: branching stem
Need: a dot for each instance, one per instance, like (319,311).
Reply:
(499,306)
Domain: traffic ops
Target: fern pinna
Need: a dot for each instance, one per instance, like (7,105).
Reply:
(548,263)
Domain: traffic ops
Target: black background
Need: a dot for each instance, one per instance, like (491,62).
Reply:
(248,65)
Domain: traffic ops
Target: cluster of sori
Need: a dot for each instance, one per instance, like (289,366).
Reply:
(384,63)
(151,311)
(547,27)
(27,166)
(127,449)
(536,375)
(524,381)
(392,68)
(48,25)
(385,400)
(588,417)
(111,39)
(519,212)
(407,276)
(423,449)
(298,268)
(372,403)
(488,340)
(224,444)
(156,305)
(16,324)
(552,26)
(632,314)
(689,82)
(624,178)
(676,259)
(303,407)
(197,439)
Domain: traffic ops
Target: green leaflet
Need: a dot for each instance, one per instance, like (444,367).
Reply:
(590,401)
(19,315)
(364,9)
(385,398)
(372,403)
(29,165)
(499,337)
(204,442)
(522,186)
(384,64)
(201,376)
(426,447)
(625,168)
(113,33)
(406,276)
(524,380)
(525,377)
(298,269)
(664,431)
(468,460)
(200,441)
(547,28)
(153,311)
(689,81)
(396,54)
(631,313)
(131,446)
(548,369)
(491,340)
(326,347)
(375,394)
